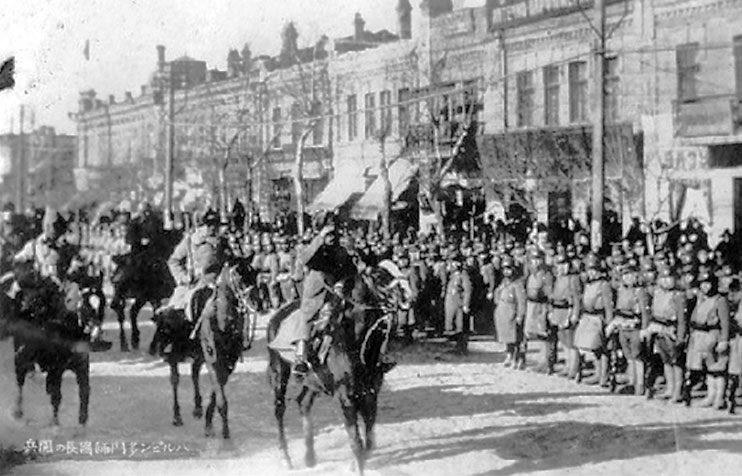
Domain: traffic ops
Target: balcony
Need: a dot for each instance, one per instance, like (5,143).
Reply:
(717,115)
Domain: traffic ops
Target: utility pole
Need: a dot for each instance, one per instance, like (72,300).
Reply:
(20,173)
(169,151)
(598,149)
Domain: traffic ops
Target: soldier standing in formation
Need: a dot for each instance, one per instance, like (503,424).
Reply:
(510,311)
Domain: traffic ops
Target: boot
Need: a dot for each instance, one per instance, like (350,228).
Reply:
(543,366)
(631,373)
(604,373)
(733,384)
(677,378)
(720,398)
(710,392)
(301,366)
(573,360)
(638,377)
(670,383)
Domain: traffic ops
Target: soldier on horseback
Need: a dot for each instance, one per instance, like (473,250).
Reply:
(327,263)
(196,263)
(43,252)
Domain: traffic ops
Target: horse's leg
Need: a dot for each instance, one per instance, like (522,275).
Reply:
(368,413)
(350,414)
(218,380)
(209,423)
(54,390)
(133,315)
(198,409)
(279,378)
(82,372)
(305,400)
(20,380)
(118,304)
(174,380)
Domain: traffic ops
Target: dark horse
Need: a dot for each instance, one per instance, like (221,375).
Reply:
(144,277)
(217,339)
(346,364)
(47,333)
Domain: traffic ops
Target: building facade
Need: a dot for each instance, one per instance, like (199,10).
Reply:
(45,160)
(496,100)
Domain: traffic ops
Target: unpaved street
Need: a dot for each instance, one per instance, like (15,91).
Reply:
(439,414)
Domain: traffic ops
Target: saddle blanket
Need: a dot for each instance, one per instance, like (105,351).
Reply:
(288,330)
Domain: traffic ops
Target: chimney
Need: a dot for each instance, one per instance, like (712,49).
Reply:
(128,97)
(160,57)
(404,19)
(144,90)
(360,26)
(111,99)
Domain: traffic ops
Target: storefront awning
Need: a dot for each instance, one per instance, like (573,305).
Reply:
(369,206)
(345,183)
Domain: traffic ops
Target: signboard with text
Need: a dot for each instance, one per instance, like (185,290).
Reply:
(507,13)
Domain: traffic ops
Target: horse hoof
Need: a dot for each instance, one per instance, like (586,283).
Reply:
(177,421)
(198,412)
(310,460)
(124,347)
(209,432)
(17,414)
(286,461)
(225,434)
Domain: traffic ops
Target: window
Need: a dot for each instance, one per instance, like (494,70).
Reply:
(611,89)
(297,122)
(687,62)
(277,127)
(524,85)
(385,122)
(551,95)
(578,91)
(352,117)
(370,113)
(404,111)
(318,131)
(738,64)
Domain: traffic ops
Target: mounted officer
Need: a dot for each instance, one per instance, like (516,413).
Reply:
(195,264)
(43,252)
(327,264)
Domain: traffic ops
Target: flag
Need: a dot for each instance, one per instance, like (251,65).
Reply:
(7,73)
(86,50)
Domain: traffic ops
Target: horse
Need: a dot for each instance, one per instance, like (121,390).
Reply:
(145,278)
(225,328)
(346,362)
(48,333)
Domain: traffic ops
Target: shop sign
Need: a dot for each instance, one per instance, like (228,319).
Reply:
(705,117)
(684,159)
(509,12)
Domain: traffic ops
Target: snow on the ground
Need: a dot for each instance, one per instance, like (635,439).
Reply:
(441,414)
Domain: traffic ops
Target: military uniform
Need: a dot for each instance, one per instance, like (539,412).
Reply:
(596,310)
(537,327)
(270,271)
(285,273)
(195,264)
(510,311)
(708,347)
(564,310)
(631,315)
(457,300)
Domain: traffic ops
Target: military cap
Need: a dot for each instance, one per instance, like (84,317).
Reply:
(507,262)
